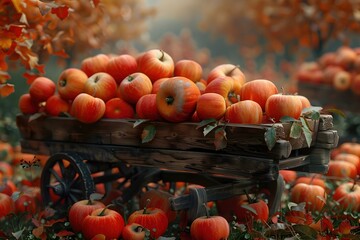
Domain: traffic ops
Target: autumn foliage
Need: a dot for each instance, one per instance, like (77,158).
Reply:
(32,31)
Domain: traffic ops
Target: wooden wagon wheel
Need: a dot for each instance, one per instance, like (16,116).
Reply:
(65,179)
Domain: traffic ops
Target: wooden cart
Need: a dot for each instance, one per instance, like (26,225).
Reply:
(84,155)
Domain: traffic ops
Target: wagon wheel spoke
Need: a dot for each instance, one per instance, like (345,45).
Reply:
(65,179)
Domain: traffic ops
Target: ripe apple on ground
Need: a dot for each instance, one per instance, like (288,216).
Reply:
(41,89)
(348,196)
(94,64)
(313,195)
(133,87)
(101,85)
(189,69)
(79,210)
(6,205)
(210,228)
(87,109)
(153,219)
(355,85)
(156,64)
(121,66)
(71,83)
(118,108)
(103,221)
(134,231)
(342,169)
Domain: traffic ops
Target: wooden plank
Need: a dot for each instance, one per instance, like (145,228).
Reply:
(229,165)
(244,138)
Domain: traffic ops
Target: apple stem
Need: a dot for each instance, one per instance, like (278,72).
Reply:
(206,210)
(102,213)
(89,202)
(130,78)
(236,66)
(162,55)
(250,199)
(169,100)
(353,186)
(146,205)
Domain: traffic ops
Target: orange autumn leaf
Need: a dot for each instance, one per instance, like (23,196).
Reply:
(6,89)
(5,43)
(95,3)
(61,12)
(61,53)
(17,5)
(30,77)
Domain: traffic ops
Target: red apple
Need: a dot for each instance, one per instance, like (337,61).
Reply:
(55,105)
(101,85)
(342,81)
(305,101)
(134,86)
(153,219)
(244,112)
(189,69)
(94,64)
(258,90)
(345,57)
(87,109)
(6,205)
(226,87)
(210,105)
(227,70)
(280,105)
(79,210)
(157,83)
(210,228)
(118,108)
(134,231)
(71,83)
(146,108)
(26,203)
(41,89)
(348,196)
(121,66)
(103,221)
(27,105)
(156,64)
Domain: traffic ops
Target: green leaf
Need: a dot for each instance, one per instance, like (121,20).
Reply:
(18,234)
(209,128)
(286,119)
(148,133)
(36,116)
(220,140)
(206,122)
(311,112)
(305,231)
(295,130)
(270,137)
(307,134)
(139,121)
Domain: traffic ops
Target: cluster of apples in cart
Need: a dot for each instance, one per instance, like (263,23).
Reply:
(153,86)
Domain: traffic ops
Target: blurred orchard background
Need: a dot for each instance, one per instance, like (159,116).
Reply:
(268,39)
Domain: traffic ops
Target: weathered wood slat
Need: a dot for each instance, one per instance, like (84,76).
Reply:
(248,139)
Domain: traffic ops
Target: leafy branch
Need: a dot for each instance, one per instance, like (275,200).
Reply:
(298,127)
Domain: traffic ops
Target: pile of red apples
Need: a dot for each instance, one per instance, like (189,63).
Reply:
(153,86)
